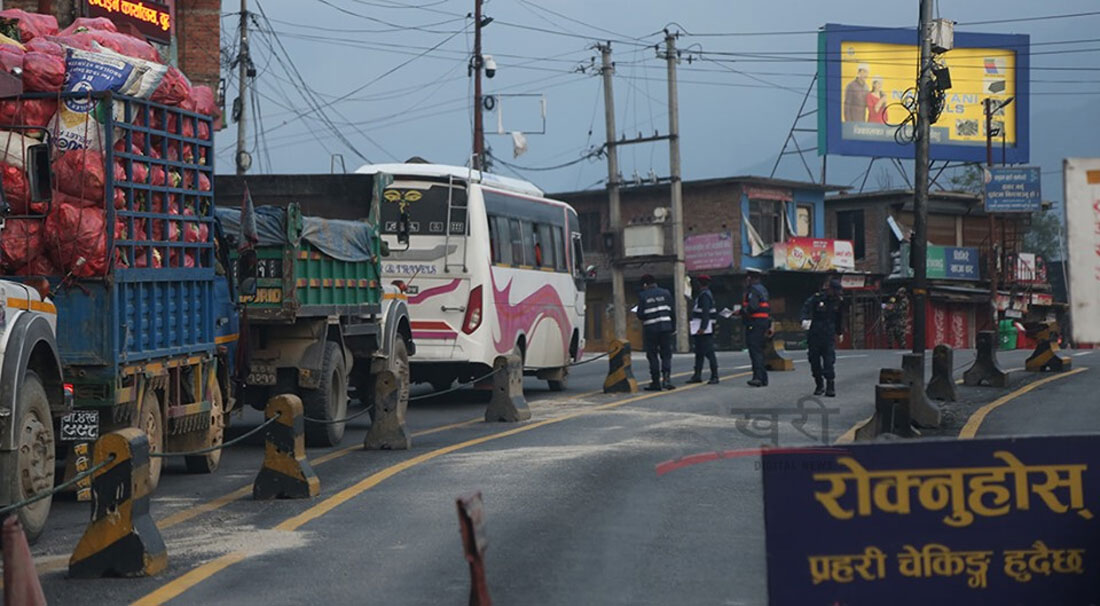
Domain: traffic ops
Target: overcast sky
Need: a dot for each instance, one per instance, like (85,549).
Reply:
(390,78)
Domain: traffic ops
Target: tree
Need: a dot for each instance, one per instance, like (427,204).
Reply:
(1044,235)
(970,179)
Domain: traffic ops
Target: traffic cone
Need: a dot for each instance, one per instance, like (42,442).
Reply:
(21,586)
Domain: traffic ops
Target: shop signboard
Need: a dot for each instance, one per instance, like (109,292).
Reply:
(708,251)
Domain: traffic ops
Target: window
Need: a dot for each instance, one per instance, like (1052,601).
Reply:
(516,240)
(849,226)
(545,243)
(559,249)
(765,218)
(590,230)
(578,255)
(528,243)
(500,240)
(804,221)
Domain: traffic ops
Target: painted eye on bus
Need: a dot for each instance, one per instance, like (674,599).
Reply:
(392,195)
(413,195)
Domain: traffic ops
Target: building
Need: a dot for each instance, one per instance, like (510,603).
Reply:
(730,224)
(879,225)
(192,42)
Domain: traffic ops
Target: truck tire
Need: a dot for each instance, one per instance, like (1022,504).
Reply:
(329,401)
(29,469)
(151,421)
(215,435)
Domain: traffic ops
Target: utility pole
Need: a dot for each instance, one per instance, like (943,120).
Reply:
(243,63)
(987,104)
(679,273)
(919,256)
(479,126)
(615,220)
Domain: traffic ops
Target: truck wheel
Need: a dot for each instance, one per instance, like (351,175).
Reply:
(29,469)
(215,435)
(151,421)
(329,401)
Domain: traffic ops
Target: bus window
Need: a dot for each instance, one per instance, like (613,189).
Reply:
(549,258)
(502,240)
(559,248)
(537,245)
(578,256)
(515,228)
(494,248)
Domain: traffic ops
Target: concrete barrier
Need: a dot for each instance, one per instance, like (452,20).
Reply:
(387,429)
(286,473)
(941,386)
(985,371)
(773,356)
(891,415)
(507,404)
(471,523)
(1046,356)
(620,375)
(121,539)
(923,412)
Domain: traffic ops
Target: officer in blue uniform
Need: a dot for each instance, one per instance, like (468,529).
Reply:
(655,314)
(821,318)
(703,317)
(757,318)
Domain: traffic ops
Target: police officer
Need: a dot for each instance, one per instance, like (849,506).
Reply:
(756,317)
(821,318)
(655,314)
(703,316)
(897,317)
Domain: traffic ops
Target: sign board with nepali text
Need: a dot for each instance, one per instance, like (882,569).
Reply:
(814,254)
(986,521)
(1013,189)
(708,251)
(866,78)
(153,20)
(1082,189)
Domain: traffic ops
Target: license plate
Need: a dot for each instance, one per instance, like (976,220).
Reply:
(80,426)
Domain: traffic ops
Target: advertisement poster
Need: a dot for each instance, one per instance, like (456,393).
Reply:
(1082,187)
(869,77)
(814,254)
(708,251)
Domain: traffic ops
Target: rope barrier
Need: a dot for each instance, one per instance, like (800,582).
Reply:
(344,420)
(56,489)
(571,365)
(457,387)
(202,451)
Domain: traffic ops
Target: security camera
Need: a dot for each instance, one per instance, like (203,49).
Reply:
(490,65)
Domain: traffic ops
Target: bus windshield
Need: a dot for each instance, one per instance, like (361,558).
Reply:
(426,205)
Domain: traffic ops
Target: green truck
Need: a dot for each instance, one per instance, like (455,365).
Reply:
(316,318)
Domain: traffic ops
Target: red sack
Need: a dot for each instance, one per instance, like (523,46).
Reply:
(189,180)
(80,42)
(188,259)
(120,43)
(43,73)
(203,101)
(16,191)
(60,197)
(47,46)
(39,265)
(80,173)
(31,25)
(27,112)
(82,24)
(194,231)
(11,58)
(174,89)
(20,242)
(141,259)
(74,233)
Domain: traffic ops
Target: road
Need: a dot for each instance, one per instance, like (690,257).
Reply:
(593,501)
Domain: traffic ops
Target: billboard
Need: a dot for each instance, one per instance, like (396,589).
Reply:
(814,254)
(708,251)
(865,75)
(1082,187)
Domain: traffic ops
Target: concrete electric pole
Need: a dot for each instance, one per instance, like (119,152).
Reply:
(919,248)
(244,62)
(678,270)
(476,66)
(615,220)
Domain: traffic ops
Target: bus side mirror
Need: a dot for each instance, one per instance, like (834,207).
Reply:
(246,273)
(590,273)
(39,173)
(403,228)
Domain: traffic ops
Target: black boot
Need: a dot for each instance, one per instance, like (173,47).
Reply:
(713,380)
(667,376)
(830,388)
(697,377)
(654,385)
(819,386)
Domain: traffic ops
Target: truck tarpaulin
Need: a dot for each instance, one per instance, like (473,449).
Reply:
(343,240)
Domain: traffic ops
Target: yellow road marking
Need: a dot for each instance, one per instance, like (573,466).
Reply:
(171,590)
(177,586)
(975,421)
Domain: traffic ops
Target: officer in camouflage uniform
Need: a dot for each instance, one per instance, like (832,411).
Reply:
(897,319)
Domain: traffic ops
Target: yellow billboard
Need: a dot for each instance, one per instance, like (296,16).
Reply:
(876,78)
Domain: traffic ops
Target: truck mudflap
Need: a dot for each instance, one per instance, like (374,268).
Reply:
(28,331)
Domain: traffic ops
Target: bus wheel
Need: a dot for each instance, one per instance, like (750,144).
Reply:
(559,384)
(151,421)
(215,435)
(29,469)
(329,401)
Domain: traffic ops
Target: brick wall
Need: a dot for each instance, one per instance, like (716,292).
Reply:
(198,31)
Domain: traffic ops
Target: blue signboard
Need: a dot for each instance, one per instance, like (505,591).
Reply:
(1013,189)
(990,521)
(946,263)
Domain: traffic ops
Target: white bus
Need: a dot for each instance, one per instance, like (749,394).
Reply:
(491,267)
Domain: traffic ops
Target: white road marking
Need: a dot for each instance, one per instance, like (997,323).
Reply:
(1083,353)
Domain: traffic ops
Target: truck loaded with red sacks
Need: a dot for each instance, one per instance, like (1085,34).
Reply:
(108,233)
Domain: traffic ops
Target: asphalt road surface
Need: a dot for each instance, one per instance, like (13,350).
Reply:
(595,500)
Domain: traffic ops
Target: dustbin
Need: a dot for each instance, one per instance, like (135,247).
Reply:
(1007,333)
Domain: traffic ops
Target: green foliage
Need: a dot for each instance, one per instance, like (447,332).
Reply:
(970,179)
(1043,236)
